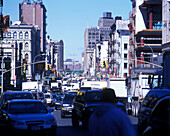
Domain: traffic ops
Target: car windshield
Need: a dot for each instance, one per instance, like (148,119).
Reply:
(93,96)
(18,96)
(27,107)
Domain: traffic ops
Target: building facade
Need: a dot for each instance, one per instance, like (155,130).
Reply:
(34,14)
(118,48)
(145,29)
(20,45)
(55,55)
(72,65)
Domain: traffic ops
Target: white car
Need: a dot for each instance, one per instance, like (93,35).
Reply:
(49,99)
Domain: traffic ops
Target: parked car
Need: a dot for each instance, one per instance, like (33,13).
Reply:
(26,117)
(85,104)
(41,96)
(159,121)
(66,104)
(150,100)
(48,99)
(5,96)
(36,95)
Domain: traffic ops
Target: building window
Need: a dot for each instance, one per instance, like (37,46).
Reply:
(125,56)
(26,35)
(9,34)
(4,35)
(15,35)
(26,46)
(125,46)
(125,65)
(20,35)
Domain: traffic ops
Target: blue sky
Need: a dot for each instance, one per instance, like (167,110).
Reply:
(67,19)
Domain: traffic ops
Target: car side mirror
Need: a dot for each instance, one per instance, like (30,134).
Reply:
(51,110)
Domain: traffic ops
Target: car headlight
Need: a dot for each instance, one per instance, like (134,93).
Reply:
(57,103)
(17,122)
(51,121)
(66,105)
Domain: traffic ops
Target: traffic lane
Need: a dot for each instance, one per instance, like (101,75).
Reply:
(65,126)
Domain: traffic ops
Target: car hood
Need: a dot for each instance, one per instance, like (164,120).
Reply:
(32,117)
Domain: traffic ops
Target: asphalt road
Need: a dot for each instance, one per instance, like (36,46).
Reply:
(65,126)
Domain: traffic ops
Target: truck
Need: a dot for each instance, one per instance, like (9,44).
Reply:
(137,88)
(94,84)
(33,85)
(55,85)
(118,84)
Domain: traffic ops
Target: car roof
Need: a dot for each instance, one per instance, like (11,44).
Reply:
(15,92)
(71,92)
(23,100)
(98,90)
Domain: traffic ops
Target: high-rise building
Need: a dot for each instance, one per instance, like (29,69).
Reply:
(95,35)
(34,14)
(106,20)
(59,55)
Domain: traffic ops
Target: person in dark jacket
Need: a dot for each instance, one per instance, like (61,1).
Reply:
(109,120)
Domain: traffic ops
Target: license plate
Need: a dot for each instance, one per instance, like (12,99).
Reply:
(34,128)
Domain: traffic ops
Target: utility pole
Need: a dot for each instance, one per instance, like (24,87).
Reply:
(2,77)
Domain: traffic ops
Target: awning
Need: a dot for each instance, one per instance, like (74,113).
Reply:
(149,32)
(45,79)
(145,48)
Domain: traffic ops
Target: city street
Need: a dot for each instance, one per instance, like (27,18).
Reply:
(65,126)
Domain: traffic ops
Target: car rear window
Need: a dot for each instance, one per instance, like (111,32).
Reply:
(93,96)
(18,96)
(27,107)
(69,96)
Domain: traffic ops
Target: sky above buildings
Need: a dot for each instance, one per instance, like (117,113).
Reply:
(68,19)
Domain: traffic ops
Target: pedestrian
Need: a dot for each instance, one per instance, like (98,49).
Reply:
(109,120)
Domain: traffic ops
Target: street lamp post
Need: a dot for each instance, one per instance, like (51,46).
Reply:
(2,77)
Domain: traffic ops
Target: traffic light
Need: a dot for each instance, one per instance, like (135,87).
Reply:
(104,64)
(53,71)
(24,68)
